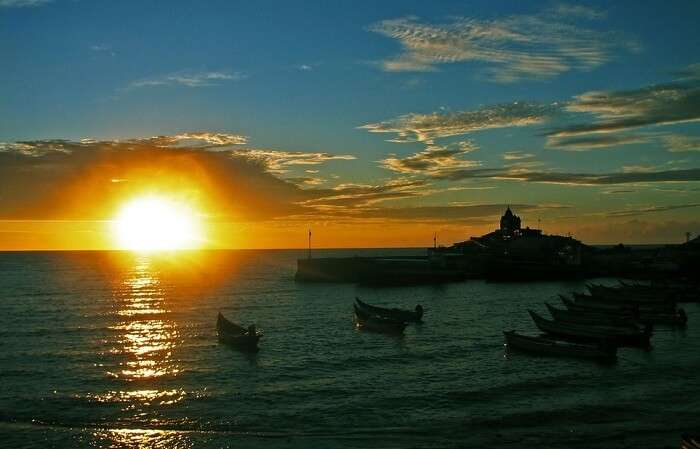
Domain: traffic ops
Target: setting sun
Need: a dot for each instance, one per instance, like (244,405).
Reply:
(157,223)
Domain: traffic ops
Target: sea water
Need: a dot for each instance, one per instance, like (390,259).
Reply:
(111,349)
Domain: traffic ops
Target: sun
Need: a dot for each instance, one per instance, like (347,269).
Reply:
(153,223)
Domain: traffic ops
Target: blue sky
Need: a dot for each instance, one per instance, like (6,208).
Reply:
(360,79)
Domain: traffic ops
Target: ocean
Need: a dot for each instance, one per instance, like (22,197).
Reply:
(119,350)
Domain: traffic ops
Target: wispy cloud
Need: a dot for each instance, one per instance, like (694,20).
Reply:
(580,179)
(434,159)
(39,178)
(517,156)
(428,127)
(100,47)
(188,79)
(276,161)
(308,66)
(680,143)
(22,3)
(649,209)
(663,104)
(516,47)
(594,142)
(437,159)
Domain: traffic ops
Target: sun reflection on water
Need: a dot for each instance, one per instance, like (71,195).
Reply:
(143,350)
(140,438)
(147,337)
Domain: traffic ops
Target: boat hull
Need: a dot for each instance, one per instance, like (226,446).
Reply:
(588,333)
(373,323)
(545,347)
(235,336)
(390,314)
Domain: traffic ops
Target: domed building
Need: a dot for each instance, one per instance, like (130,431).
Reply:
(510,223)
(517,252)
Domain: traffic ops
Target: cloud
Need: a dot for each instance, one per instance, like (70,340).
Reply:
(650,209)
(617,192)
(656,105)
(88,179)
(679,143)
(193,140)
(574,10)
(22,3)
(516,155)
(428,127)
(434,159)
(306,180)
(516,47)
(277,161)
(188,79)
(344,196)
(593,142)
(689,72)
(580,179)
(438,160)
(452,212)
(363,212)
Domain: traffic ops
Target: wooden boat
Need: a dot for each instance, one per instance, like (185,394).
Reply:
(624,294)
(544,346)
(600,302)
(593,318)
(689,441)
(414,316)
(671,318)
(377,324)
(582,307)
(679,292)
(236,336)
(583,332)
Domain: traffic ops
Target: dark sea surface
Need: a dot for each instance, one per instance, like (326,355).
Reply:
(109,349)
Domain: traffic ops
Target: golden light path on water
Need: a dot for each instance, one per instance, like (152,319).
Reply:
(144,344)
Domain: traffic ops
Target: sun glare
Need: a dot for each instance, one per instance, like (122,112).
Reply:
(157,223)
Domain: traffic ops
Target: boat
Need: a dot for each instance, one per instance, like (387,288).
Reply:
(236,336)
(635,296)
(582,307)
(583,332)
(671,318)
(592,302)
(689,441)
(594,318)
(600,302)
(679,292)
(414,316)
(377,324)
(544,346)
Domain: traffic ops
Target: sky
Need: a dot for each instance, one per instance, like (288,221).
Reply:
(373,124)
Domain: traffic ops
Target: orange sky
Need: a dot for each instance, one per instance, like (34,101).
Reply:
(66,195)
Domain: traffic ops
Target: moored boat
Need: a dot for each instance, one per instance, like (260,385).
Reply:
(671,318)
(377,324)
(583,332)
(593,318)
(236,336)
(538,345)
(679,292)
(600,302)
(635,296)
(392,313)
